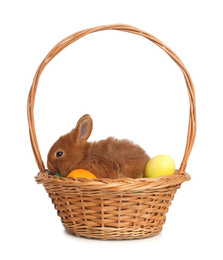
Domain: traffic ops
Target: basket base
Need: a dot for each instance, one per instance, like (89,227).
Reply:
(113,233)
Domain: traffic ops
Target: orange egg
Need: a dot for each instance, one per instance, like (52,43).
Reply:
(81,173)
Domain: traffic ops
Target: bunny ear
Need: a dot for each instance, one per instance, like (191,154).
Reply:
(83,129)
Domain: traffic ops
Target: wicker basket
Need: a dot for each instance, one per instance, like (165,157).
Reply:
(107,208)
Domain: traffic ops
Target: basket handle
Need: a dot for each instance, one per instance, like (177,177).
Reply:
(121,27)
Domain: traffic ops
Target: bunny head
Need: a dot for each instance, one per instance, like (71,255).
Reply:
(70,149)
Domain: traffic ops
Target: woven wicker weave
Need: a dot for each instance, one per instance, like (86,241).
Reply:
(107,208)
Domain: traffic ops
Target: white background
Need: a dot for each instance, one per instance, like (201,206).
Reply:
(132,89)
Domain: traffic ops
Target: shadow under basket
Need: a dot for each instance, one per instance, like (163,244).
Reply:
(112,208)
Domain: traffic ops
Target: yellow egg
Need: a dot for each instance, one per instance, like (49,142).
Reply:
(159,165)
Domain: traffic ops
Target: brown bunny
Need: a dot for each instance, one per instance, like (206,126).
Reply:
(109,158)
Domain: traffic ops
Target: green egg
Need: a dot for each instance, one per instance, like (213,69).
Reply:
(58,175)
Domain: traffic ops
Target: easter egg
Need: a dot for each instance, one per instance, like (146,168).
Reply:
(58,175)
(159,165)
(81,173)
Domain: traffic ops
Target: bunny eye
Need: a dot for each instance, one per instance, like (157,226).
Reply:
(59,154)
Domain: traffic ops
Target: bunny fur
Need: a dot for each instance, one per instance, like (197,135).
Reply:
(109,158)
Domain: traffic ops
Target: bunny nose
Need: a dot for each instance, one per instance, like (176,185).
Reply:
(52,168)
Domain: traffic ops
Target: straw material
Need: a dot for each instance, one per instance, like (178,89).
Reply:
(112,209)
(107,208)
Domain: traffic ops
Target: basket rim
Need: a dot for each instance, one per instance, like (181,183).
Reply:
(124,184)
